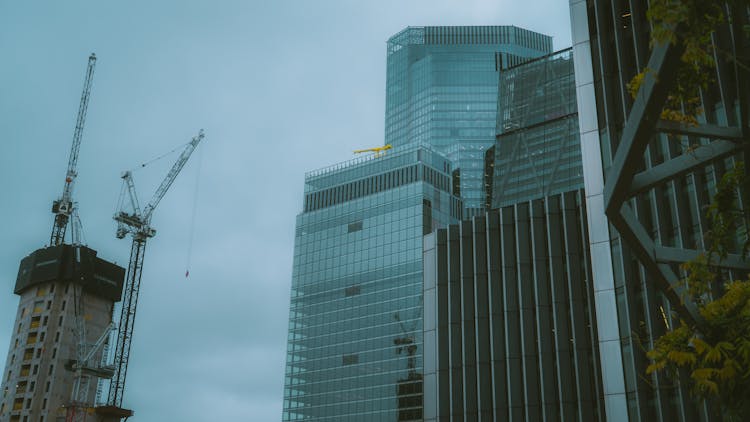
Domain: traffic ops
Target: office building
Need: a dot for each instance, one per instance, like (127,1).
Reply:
(647,184)
(58,286)
(441,90)
(538,152)
(509,330)
(509,326)
(355,325)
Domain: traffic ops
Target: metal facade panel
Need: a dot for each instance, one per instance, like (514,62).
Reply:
(528,351)
(559,302)
(443,339)
(496,318)
(543,308)
(455,338)
(657,186)
(467,321)
(595,156)
(512,327)
(482,334)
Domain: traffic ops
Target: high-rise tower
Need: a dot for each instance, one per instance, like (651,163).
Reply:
(64,317)
(510,331)
(355,322)
(57,285)
(355,345)
(441,89)
(538,152)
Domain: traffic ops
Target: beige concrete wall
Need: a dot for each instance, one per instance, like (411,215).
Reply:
(35,378)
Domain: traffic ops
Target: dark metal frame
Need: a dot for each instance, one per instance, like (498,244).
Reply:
(623,181)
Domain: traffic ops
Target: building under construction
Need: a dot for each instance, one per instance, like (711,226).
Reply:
(58,351)
(57,285)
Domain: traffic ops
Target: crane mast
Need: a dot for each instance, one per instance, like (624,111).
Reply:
(63,208)
(138,224)
(85,371)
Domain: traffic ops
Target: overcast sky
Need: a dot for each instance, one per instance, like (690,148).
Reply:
(280,87)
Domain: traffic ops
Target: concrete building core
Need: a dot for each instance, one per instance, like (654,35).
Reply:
(38,378)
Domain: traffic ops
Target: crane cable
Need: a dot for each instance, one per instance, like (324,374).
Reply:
(124,189)
(123,192)
(153,160)
(192,217)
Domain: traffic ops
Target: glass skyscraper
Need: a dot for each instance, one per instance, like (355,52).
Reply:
(538,151)
(355,325)
(509,332)
(355,344)
(441,89)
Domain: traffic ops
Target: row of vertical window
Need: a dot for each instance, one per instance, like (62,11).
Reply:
(550,215)
(36,322)
(376,184)
(485,35)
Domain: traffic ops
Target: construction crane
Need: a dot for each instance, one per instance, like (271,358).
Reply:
(138,224)
(85,369)
(409,390)
(65,211)
(377,150)
(64,207)
(406,344)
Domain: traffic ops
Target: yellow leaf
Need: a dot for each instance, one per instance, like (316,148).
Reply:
(708,386)
(681,358)
(725,346)
(703,374)
(700,345)
(713,355)
(728,371)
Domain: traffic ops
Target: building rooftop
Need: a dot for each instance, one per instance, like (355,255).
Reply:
(463,35)
(373,163)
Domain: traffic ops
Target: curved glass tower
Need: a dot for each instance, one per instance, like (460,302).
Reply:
(442,87)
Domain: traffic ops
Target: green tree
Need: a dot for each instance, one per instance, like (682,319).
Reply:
(690,23)
(716,355)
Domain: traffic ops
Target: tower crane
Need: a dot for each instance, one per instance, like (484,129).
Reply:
(64,207)
(64,210)
(409,390)
(377,150)
(138,224)
(85,369)
(406,344)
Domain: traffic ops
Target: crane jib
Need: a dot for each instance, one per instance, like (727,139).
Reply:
(139,226)
(63,208)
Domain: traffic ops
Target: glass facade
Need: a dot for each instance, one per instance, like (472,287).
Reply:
(538,151)
(355,325)
(441,89)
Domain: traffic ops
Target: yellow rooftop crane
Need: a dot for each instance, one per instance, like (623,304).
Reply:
(377,150)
